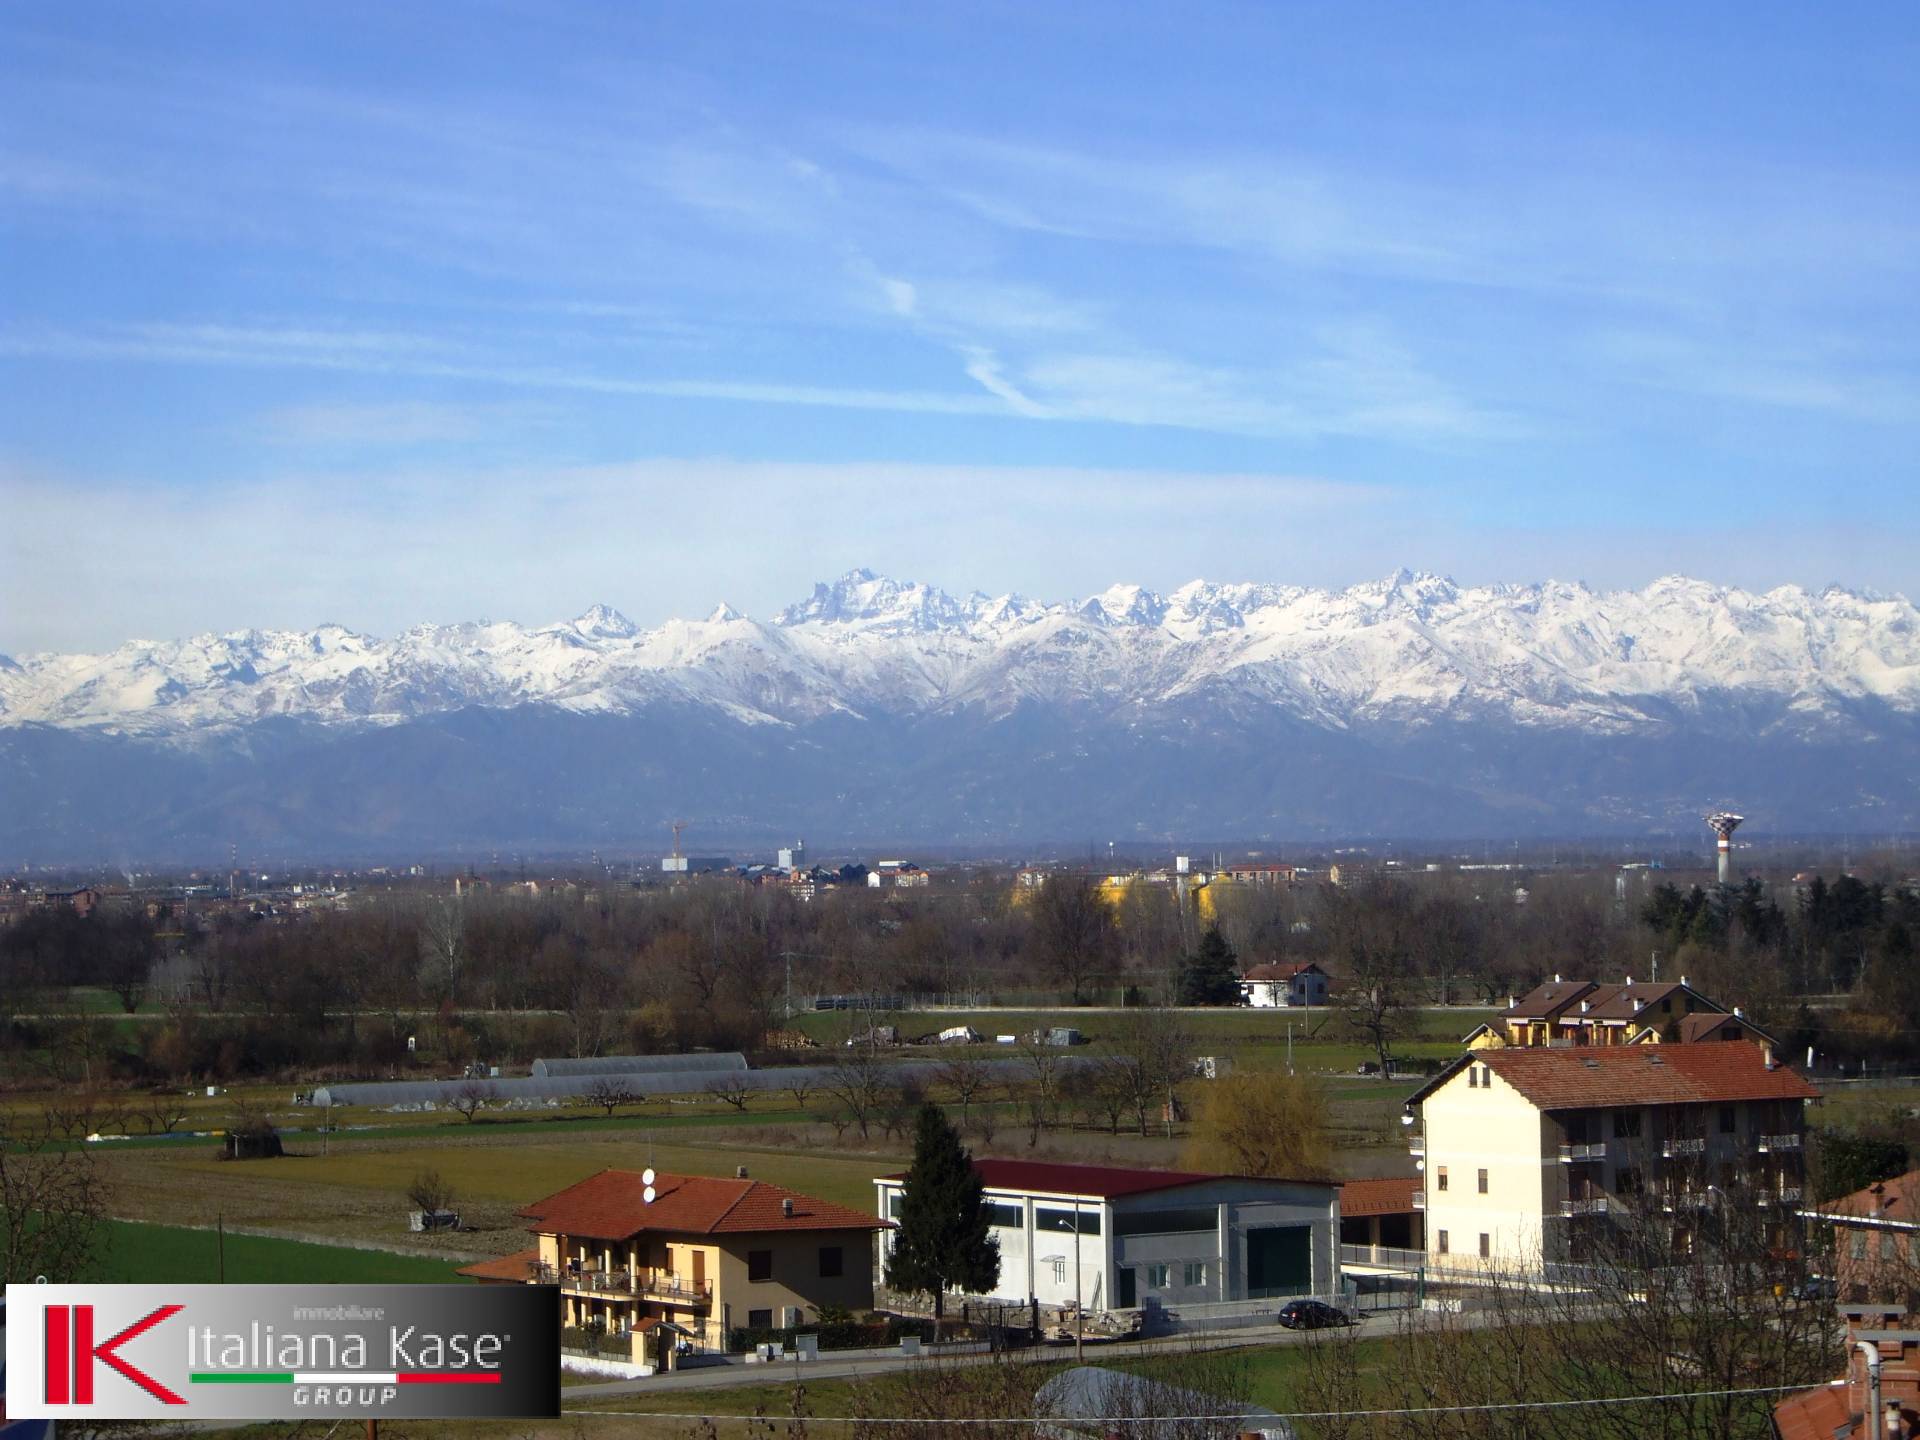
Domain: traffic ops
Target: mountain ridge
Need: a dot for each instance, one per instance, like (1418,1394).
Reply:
(1548,652)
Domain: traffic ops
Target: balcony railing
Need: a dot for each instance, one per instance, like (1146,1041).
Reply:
(1785,1195)
(1695,1145)
(1768,1144)
(1592,1150)
(1417,1144)
(1386,1257)
(1687,1199)
(651,1285)
(1591,1205)
(1419,1199)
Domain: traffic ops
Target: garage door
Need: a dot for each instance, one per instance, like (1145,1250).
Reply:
(1279,1261)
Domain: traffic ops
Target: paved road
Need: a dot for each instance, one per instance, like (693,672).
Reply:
(734,1375)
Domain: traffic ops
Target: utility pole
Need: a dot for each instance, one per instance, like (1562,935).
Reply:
(1079,1311)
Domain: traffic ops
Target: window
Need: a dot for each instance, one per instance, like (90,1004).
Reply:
(1486,1245)
(1157,1277)
(893,1205)
(1483,1182)
(832,1262)
(1441,1236)
(1888,1247)
(1046,1217)
(1161,1222)
(1857,1245)
(1473,1077)
(1440,1178)
(1626,1124)
(759,1319)
(1726,1120)
(759,1264)
(1628,1181)
(1193,1273)
(1007,1216)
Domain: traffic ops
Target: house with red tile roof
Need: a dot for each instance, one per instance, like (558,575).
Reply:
(1112,1239)
(1528,1153)
(655,1257)
(1875,1241)
(1381,1222)
(1879,1396)
(1284,986)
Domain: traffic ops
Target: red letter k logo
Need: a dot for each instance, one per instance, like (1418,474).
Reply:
(75,1362)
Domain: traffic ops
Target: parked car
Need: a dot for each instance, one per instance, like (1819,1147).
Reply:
(1312,1315)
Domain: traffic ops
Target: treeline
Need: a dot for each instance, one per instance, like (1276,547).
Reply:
(500,979)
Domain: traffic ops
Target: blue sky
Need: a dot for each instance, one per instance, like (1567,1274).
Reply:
(390,313)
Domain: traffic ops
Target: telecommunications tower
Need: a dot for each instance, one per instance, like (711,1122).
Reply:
(1724,823)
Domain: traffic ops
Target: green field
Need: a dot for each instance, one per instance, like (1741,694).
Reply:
(137,1254)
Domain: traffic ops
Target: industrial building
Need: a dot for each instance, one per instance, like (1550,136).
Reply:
(1116,1240)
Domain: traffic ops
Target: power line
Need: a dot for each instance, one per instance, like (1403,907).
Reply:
(1487,1407)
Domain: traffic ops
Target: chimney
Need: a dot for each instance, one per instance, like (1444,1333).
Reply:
(1683,979)
(786,1207)
(1556,977)
(1738,1013)
(1584,1006)
(739,1172)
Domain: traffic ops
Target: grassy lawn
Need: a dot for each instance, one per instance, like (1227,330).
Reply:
(136,1254)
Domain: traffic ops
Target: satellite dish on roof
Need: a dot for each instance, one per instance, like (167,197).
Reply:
(647,1194)
(647,1176)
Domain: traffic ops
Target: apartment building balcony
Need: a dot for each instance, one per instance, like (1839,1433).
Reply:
(1785,1195)
(1419,1199)
(1592,1150)
(1687,1200)
(1673,1148)
(619,1284)
(1589,1205)
(1771,1144)
(1417,1144)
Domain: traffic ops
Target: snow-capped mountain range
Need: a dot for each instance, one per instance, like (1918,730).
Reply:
(1409,648)
(877,710)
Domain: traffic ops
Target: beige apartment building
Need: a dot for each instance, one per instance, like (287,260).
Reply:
(1528,1152)
(668,1259)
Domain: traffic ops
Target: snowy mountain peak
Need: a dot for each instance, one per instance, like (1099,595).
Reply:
(874,602)
(1411,648)
(603,622)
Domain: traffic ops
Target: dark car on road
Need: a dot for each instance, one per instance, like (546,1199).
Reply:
(1312,1315)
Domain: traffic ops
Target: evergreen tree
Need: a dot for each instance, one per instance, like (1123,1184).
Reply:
(1212,973)
(942,1241)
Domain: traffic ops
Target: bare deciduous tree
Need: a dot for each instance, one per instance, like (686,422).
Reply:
(52,1199)
(610,1092)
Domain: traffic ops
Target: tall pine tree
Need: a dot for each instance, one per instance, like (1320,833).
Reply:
(1212,974)
(942,1241)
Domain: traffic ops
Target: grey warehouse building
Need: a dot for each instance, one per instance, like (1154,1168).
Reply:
(1131,1236)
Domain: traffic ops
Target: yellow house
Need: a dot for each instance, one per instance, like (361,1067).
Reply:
(647,1255)
(1580,1012)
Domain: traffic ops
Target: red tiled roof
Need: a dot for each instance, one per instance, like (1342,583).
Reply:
(1391,1196)
(1545,1001)
(1273,971)
(1898,1200)
(611,1206)
(1822,1414)
(1106,1181)
(1584,1076)
(1625,1002)
(517,1268)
